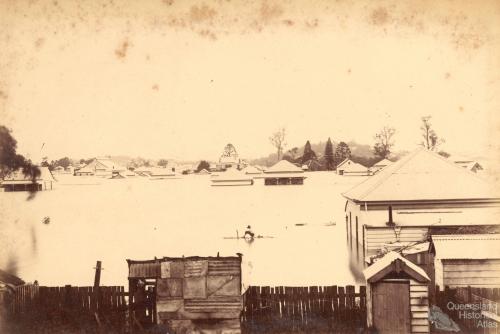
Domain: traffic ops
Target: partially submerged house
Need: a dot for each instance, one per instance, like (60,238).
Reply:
(232,177)
(17,181)
(283,173)
(191,292)
(462,260)
(468,164)
(102,167)
(156,173)
(380,165)
(349,167)
(419,195)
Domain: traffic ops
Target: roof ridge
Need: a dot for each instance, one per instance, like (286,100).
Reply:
(385,174)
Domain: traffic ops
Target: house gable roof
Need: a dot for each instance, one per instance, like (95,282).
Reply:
(284,166)
(350,165)
(421,175)
(392,262)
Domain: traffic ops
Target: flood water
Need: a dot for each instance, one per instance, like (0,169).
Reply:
(114,220)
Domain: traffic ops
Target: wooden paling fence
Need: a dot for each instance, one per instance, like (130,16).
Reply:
(316,308)
(70,307)
(486,298)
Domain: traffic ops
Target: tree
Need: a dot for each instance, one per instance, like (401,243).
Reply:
(291,155)
(384,142)
(328,156)
(10,160)
(277,139)
(308,154)
(431,140)
(342,152)
(63,162)
(163,163)
(202,165)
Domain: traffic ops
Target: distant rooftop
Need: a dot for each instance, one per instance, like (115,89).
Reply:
(283,166)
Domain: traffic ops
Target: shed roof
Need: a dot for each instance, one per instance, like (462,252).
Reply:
(421,175)
(284,166)
(7,278)
(18,176)
(252,170)
(392,262)
(466,246)
(352,166)
(382,163)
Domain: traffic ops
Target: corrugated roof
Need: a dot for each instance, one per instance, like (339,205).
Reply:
(387,261)
(467,246)
(382,163)
(421,175)
(351,166)
(284,166)
(18,175)
(252,170)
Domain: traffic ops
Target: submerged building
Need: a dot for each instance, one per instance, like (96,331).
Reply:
(284,173)
(18,181)
(349,167)
(102,167)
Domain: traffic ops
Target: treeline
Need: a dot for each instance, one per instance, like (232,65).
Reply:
(327,160)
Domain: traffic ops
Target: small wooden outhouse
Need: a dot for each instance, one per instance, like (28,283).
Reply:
(191,293)
(397,296)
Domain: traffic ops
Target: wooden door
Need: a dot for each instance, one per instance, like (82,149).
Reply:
(391,307)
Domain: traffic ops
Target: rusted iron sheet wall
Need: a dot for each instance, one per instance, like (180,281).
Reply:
(144,270)
(199,288)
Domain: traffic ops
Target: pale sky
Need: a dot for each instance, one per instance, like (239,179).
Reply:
(180,79)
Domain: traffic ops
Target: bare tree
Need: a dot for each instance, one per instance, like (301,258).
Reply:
(278,141)
(431,140)
(384,142)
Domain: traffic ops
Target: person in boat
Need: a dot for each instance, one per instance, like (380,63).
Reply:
(248,233)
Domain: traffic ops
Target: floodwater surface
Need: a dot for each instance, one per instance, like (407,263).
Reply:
(57,237)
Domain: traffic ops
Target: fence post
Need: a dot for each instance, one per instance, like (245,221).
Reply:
(97,280)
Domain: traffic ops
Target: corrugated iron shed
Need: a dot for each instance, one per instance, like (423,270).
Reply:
(466,246)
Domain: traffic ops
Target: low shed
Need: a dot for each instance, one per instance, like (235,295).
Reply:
(467,260)
(192,293)
(397,296)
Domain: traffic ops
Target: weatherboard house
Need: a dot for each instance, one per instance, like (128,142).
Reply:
(420,195)
(349,167)
(17,181)
(462,260)
(283,173)
(102,167)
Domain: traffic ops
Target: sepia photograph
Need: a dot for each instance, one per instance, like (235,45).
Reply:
(249,167)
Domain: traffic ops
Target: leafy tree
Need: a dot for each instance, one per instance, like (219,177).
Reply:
(309,154)
(163,163)
(384,142)
(10,160)
(63,162)
(342,152)
(202,165)
(277,139)
(430,139)
(328,157)
(291,155)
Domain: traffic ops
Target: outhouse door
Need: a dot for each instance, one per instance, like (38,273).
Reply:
(391,307)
